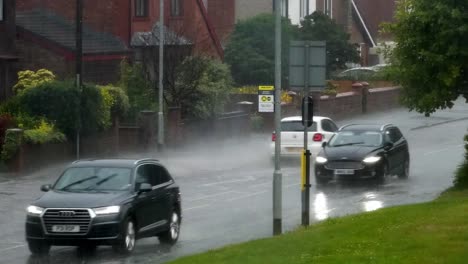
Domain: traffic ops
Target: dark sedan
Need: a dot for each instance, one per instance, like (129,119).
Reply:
(110,202)
(363,151)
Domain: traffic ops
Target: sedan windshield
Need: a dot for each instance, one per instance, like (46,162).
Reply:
(94,179)
(364,138)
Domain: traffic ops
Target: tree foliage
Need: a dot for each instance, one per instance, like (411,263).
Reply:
(28,79)
(251,50)
(319,26)
(201,88)
(431,52)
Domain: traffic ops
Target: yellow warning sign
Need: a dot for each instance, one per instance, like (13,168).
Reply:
(266,88)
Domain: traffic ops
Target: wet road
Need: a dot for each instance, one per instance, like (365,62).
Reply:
(226,190)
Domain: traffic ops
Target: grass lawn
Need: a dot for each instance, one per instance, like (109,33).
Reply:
(434,232)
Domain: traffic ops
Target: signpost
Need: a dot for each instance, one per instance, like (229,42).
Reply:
(266,99)
(307,71)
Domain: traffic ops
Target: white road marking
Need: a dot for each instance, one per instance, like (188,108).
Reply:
(442,150)
(246,196)
(196,207)
(9,248)
(209,196)
(231,181)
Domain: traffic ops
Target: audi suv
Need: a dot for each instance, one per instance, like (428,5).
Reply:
(105,202)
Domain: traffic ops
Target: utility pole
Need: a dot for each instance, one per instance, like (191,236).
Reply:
(79,58)
(277,175)
(161,76)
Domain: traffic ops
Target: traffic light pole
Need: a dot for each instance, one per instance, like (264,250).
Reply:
(305,190)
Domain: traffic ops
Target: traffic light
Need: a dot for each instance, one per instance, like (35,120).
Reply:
(310,111)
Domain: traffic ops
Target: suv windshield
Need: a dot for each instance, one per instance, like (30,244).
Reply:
(364,138)
(94,179)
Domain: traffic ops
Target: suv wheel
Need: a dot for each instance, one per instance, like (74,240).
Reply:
(38,247)
(127,240)
(172,234)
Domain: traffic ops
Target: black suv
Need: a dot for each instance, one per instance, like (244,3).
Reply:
(105,202)
(363,151)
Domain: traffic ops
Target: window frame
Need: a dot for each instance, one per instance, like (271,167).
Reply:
(2,11)
(177,9)
(154,184)
(139,4)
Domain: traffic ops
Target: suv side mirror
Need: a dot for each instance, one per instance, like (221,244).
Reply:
(46,187)
(145,187)
(324,144)
(388,146)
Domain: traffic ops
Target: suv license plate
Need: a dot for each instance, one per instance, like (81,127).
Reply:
(65,228)
(344,172)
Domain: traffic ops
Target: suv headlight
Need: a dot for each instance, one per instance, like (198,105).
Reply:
(372,159)
(34,210)
(107,210)
(320,160)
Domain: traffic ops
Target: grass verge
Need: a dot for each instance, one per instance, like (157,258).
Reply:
(433,232)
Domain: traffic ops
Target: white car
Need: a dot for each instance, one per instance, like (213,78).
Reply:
(292,135)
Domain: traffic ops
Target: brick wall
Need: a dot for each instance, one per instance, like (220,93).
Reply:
(248,8)
(222,15)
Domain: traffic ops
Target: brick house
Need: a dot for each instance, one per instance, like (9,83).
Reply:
(8,55)
(46,32)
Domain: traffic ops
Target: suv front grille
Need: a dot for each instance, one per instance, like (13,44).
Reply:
(75,217)
(355,165)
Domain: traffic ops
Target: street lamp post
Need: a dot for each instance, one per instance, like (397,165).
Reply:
(79,66)
(277,175)
(161,76)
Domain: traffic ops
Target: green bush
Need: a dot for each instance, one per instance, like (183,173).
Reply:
(30,79)
(119,100)
(56,101)
(59,102)
(43,133)
(11,144)
(461,176)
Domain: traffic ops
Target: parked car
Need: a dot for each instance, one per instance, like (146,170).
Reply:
(292,135)
(363,151)
(357,74)
(106,202)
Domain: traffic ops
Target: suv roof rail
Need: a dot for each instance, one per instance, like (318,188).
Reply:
(146,159)
(384,126)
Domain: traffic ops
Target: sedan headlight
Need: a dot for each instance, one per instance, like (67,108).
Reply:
(34,210)
(320,159)
(372,159)
(107,210)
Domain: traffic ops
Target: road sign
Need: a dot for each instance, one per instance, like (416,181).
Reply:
(266,99)
(307,65)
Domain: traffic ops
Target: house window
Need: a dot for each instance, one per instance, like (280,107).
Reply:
(176,7)
(1,9)
(328,7)
(141,8)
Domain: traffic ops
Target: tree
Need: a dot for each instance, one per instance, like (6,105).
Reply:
(202,87)
(193,81)
(28,79)
(250,51)
(319,26)
(430,57)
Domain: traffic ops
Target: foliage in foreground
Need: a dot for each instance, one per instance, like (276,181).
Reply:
(429,59)
(461,176)
(434,232)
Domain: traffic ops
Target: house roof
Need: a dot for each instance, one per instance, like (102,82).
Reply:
(142,39)
(370,14)
(55,28)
